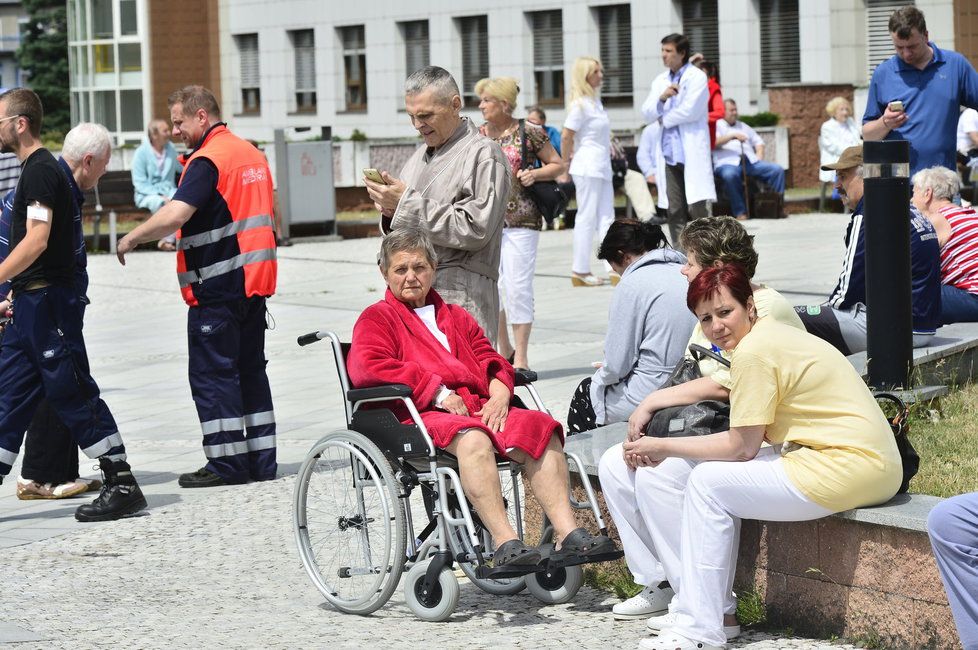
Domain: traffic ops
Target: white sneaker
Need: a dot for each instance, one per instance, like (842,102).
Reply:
(659,624)
(650,600)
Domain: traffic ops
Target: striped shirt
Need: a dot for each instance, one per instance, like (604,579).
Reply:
(959,255)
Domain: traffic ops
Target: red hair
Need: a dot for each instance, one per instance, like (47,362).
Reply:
(707,284)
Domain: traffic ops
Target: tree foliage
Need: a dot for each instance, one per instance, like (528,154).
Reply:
(43,59)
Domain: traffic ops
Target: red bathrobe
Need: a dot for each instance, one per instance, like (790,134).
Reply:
(392,345)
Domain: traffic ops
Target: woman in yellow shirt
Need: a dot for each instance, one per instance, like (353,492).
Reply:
(709,242)
(831,450)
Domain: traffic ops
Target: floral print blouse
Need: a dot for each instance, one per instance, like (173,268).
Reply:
(521,211)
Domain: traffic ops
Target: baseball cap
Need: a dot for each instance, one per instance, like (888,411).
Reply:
(851,157)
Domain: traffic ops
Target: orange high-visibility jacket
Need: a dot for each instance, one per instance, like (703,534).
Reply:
(226,250)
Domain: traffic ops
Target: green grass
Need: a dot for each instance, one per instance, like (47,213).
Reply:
(945,436)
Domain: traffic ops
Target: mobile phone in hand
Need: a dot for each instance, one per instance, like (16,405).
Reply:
(372,174)
(895,106)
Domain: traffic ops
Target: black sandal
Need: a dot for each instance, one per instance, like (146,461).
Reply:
(515,553)
(581,547)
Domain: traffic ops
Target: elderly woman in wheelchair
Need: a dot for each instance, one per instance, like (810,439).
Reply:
(464,389)
(431,396)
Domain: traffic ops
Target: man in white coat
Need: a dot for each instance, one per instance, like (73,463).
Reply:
(678,103)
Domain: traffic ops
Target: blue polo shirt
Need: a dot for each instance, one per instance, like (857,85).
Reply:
(930,98)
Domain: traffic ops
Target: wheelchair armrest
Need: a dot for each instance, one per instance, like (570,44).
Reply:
(524,377)
(391,390)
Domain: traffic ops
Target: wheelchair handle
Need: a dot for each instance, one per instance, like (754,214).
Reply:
(311,337)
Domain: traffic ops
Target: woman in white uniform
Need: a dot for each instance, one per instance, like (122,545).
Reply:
(586,145)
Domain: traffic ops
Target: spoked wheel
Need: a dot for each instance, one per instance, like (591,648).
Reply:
(461,543)
(435,604)
(349,522)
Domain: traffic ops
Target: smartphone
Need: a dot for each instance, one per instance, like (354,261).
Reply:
(373,175)
(896,106)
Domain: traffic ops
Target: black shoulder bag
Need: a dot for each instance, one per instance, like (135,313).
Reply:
(546,195)
(697,419)
(900,425)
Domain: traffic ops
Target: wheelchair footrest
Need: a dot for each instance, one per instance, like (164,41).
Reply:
(498,573)
(574,560)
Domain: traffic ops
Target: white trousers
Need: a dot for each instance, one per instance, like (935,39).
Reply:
(517,265)
(686,515)
(637,190)
(595,212)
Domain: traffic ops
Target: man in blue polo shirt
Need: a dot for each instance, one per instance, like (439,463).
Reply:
(930,83)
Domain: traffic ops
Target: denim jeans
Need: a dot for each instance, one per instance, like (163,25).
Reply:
(733,183)
(958,305)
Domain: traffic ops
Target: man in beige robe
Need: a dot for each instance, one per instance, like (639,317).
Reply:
(456,184)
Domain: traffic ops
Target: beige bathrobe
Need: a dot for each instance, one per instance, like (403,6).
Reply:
(459,192)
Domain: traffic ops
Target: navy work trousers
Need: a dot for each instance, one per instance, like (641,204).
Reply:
(230,388)
(43,356)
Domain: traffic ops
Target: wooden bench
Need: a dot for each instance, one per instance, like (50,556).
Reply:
(115,193)
(866,573)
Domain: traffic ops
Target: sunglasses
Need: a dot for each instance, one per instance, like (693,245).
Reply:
(14,117)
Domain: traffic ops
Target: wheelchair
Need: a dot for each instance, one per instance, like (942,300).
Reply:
(354,519)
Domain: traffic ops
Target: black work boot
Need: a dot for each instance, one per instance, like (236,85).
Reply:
(120,495)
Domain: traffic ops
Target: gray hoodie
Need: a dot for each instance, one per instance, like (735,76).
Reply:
(648,327)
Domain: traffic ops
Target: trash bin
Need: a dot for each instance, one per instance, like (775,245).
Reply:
(304,171)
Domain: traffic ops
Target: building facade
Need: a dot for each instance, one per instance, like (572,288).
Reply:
(12,16)
(299,63)
(126,56)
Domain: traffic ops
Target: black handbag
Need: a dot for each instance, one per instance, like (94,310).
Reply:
(697,419)
(619,164)
(550,200)
(900,425)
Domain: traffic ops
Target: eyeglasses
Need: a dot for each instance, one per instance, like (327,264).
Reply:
(14,117)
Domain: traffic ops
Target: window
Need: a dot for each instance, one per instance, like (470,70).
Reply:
(131,102)
(780,55)
(102,19)
(354,67)
(250,72)
(548,56)
(304,50)
(127,18)
(474,32)
(105,109)
(700,25)
(416,46)
(879,45)
(615,52)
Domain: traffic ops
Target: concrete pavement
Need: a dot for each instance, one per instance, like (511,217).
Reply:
(218,566)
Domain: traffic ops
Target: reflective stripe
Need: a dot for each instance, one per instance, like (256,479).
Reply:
(101,447)
(222,424)
(7,457)
(226,266)
(226,449)
(263,442)
(216,235)
(115,457)
(258,419)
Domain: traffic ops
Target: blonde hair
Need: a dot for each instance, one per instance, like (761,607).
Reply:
(583,67)
(504,89)
(835,103)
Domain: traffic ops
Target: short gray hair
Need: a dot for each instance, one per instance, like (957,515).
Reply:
(435,78)
(412,238)
(943,182)
(88,138)
(157,126)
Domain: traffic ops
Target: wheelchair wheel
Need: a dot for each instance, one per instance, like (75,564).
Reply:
(555,587)
(349,522)
(437,605)
(460,543)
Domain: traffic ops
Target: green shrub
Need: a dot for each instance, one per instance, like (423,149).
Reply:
(358,136)
(760,119)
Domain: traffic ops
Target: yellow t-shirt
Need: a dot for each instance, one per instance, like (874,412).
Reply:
(807,393)
(768,302)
